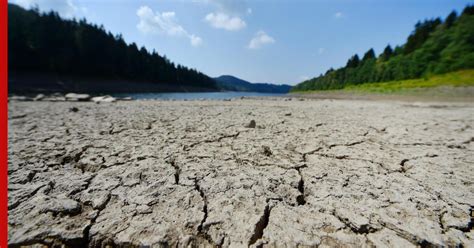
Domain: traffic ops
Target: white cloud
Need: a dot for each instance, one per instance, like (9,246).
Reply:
(151,23)
(224,21)
(228,14)
(163,23)
(65,8)
(338,15)
(195,40)
(261,38)
(321,50)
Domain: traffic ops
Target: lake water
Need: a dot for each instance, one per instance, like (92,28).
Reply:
(196,95)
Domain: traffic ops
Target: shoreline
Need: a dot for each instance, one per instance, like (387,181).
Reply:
(382,97)
(446,94)
(435,94)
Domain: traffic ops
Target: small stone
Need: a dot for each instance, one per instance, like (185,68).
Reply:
(18,98)
(39,97)
(77,97)
(252,124)
(266,151)
(288,114)
(99,99)
(74,109)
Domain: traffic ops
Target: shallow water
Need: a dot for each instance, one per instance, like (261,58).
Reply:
(196,95)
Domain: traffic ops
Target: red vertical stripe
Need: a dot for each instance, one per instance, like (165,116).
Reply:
(4,124)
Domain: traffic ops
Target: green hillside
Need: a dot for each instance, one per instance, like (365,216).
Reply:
(46,44)
(435,47)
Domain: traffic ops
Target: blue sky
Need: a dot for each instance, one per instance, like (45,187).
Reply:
(276,41)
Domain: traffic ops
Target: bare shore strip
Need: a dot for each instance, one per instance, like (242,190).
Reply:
(431,94)
(241,173)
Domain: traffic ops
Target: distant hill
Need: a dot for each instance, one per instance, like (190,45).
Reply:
(435,47)
(48,53)
(231,83)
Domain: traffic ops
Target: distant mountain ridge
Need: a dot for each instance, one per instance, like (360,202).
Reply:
(231,83)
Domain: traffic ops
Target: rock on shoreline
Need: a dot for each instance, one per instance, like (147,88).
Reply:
(74,97)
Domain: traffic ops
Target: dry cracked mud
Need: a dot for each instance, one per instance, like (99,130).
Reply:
(199,173)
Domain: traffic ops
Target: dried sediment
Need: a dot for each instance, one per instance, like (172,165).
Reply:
(158,173)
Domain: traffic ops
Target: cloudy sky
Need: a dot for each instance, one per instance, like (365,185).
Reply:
(277,41)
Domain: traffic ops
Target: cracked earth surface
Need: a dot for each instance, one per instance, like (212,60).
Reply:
(198,173)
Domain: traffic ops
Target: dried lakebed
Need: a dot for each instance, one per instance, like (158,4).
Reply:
(199,173)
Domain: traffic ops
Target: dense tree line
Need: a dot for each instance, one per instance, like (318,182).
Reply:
(46,43)
(434,47)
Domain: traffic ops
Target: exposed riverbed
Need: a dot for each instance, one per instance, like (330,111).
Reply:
(179,173)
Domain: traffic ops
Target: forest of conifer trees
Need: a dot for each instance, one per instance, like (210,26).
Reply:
(434,47)
(47,44)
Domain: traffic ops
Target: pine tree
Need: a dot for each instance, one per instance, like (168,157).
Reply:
(387,53)
(420,35)
(369,55)
(468,10)
(451,18)
(353,61)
